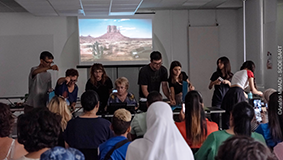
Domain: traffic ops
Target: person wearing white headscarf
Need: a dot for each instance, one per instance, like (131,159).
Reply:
(162,139)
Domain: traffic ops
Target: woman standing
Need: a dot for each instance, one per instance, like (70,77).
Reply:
(122,95)
(100,83)
(221,80)
(175,81)
(240,81)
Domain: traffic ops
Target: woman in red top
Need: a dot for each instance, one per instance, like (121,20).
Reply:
(194,127)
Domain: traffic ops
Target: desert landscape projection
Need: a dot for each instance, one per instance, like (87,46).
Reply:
(103,40)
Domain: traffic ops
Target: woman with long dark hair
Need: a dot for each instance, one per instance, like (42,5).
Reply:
(221,80)
(240,124)
(100,83)
(273,130)
(195,128)
(240,81)
(175,81)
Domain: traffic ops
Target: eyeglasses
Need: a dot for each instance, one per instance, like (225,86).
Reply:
(73,81)
(48,62)
(157,64)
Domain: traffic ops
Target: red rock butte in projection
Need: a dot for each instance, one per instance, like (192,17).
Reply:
(113,34)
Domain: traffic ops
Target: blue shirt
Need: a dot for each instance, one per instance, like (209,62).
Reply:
(71,96)
(264,130)
(130,99)
(119,153)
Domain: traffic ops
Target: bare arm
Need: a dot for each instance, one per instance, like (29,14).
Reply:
(191,87)
(144,90)
(63,79)
(172,97)
(253,89)
(44,69)
(165,89)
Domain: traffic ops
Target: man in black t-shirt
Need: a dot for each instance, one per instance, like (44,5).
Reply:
(151,75)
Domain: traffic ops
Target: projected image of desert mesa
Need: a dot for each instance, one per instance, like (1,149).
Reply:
(115,39)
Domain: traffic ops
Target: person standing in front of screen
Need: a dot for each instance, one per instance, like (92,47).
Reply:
(151,75)
(40,80)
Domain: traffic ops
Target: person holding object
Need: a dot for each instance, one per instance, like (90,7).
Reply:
(67,88)
(240,81)
(100,83)
(151,75)
(221,80)
(122,95)
(175,81)
(40,80)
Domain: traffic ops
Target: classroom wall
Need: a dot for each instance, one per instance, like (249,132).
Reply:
(169,34)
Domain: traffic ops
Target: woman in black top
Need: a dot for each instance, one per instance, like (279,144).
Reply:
(100,83)
(221,80)
(175,81)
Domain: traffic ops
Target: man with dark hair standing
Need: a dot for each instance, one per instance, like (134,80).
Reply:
(40,80)
(151,75)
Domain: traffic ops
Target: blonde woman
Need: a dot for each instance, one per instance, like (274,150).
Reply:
(59,106)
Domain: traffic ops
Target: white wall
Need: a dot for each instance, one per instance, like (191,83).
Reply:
(170,37)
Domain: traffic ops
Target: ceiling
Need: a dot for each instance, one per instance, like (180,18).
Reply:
(109,7)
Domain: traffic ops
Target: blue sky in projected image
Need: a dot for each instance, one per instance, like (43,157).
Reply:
(133,28)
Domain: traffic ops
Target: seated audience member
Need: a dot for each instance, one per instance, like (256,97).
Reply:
(195,128)
(138,123)
(60,153)
(59,106)
(175,82)
(264,116)
(88,131)
(66,87)
(240,124)
(10,148)
(243,147)
(116,147)
(38,131)
(100,83)
(122,95)
(162,139)
(272,131)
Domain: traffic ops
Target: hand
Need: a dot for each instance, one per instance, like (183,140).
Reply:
(67,79)
(260,93)
(54,67)
(73,106)
(225,81)
(191,88)
(172,102)
(217,82)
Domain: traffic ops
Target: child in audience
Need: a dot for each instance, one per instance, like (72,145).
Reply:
(138,124)
(100,83)
(88,131)
(9,148)
(240,124)
(195,127)
(116,147)
(175,81)
(38,131)
(59,106)
(162,139)
(240,81)
(221,80)
(273,130)
(243,147)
